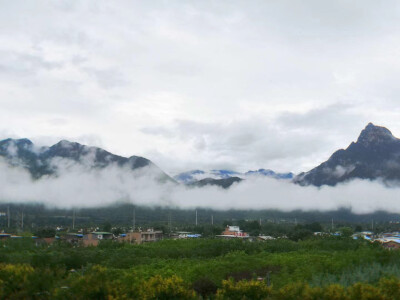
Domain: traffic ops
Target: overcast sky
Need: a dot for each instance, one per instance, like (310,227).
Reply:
(201,84)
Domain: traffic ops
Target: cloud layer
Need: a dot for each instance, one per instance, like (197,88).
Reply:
(79,185)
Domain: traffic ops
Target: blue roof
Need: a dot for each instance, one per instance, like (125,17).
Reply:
(194,235)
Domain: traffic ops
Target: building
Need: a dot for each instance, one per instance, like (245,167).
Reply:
(391,245)
(182,234)
(72,238)
(94,238)
(233,232)
(185,235)
(265,238)
(4,236)
(43,241)
(139,237)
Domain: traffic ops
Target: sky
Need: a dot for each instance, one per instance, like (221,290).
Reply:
(201,84)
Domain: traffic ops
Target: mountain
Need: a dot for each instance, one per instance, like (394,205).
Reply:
(375,155)
(196,175)
(270,173)
(225,178)
(224,182)
(189,176)
(47,160)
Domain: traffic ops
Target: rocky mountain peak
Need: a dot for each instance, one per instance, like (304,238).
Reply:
(375,155)
(45,161)
(373,134)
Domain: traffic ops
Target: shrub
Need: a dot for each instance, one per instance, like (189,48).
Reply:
(363,291)
(334,292)
(159,288)
(390,287)
(298,290)
(205,287)
(243,290)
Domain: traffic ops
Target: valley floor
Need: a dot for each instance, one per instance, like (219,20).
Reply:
(317,268)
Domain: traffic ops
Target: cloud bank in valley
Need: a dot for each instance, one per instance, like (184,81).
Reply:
(80,185)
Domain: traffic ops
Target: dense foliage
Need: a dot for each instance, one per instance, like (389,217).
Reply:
(120,215)
(317,268)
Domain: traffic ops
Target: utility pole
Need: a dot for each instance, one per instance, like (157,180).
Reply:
(73,220)
(134,218)
(196,217)
(8,216)
(22,221)
(212,219)
(169,221)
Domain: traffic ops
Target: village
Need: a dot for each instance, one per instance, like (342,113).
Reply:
(388,240)
(132,237)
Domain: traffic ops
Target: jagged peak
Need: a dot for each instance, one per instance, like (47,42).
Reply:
(23,141)
(66,143)
(374,134)
(18,141)
(12,146)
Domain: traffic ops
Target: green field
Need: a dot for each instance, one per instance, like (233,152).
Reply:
(188,269)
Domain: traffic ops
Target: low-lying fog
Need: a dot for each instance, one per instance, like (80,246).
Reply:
(79,185)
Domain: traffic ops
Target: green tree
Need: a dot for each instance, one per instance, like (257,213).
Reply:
(346,231)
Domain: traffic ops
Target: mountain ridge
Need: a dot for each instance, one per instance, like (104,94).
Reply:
(38,161)
(374,155)
(197,175)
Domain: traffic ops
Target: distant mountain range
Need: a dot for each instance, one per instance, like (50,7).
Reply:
(375,155)
(45,160)
(223,182)
(196,175)
(225,178)
(270,173)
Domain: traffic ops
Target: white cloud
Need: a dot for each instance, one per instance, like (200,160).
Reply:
(79,185)
(273,75)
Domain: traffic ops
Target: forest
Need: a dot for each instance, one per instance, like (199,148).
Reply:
(121,214)
(310,268)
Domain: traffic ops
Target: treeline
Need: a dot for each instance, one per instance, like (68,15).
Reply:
(121,214)
(315,268)
(24,282)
